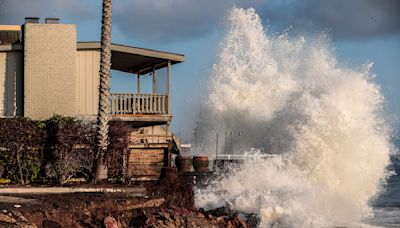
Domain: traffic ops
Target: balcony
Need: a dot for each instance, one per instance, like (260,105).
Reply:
(143,109)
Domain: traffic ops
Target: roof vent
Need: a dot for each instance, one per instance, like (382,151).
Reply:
(32,20)
(52,20)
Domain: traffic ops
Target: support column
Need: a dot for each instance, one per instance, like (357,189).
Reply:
(154,81)
(169,87)
(138,83)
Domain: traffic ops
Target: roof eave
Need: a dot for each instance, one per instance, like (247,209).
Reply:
(133,50)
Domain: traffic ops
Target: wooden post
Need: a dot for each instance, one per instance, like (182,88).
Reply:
(124,164)
(216,147)
(138,83)
(215,165)
(169,87)
(154,83)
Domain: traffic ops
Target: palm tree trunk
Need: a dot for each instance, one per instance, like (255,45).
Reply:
(104,92)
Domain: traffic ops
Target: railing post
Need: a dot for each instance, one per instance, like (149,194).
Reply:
(134,106)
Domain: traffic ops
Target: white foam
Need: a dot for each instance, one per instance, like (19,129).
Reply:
(290,97)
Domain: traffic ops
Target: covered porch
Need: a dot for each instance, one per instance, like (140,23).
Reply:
(143,108)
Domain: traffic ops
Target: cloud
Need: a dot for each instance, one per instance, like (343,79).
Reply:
(14,11)
(169,20)
(176,20)
(343,18)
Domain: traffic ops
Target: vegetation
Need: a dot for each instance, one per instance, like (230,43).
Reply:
(57,149)
(21,144)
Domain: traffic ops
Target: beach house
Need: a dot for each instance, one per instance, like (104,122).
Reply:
(44,71)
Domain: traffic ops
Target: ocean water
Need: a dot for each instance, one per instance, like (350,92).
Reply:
(324,121)
(386,206)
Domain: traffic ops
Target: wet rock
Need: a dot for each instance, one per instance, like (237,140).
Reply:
(221,211)
(253,220)
(238,222)
(220,219)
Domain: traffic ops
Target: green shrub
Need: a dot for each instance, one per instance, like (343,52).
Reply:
(21,143)
(57,149)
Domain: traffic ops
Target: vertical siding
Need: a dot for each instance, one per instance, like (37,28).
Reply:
(11,83)
(88,66)
(2,82)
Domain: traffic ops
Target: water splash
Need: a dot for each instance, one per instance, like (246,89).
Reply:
(324,121)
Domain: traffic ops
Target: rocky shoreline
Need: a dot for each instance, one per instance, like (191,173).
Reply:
(168,203)
(116,213)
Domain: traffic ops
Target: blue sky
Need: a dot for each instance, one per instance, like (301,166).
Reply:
(361,31)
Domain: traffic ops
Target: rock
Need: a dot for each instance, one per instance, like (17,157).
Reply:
(201,215)
(253,220)
(238,222)
(230,224)
(163,215)
(7,219)
(110,222)
(220,219)
(178,223)
(50,224)
(138,221)
(20,216)
(201,210)
(146,204)
(220,211)
(27,225)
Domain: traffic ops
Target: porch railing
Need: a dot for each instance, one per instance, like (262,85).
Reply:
(126,103)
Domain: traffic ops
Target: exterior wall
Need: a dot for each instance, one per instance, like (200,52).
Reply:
(87,93)
(11,83)
(49,70)
(151,134)
(2,81)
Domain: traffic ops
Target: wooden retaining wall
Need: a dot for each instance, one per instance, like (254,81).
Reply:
(145,163)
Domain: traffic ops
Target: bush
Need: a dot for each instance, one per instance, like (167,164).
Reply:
(70,147)
(21,143)
(118,149)
(57,149)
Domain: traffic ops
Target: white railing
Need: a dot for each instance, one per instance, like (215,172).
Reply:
(124,103)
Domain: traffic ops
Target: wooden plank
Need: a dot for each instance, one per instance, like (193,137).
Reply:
(17,200)
(143,171)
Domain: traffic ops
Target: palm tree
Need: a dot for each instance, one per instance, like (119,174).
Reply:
(104,92)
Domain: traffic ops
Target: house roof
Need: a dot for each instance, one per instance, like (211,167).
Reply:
(133,59)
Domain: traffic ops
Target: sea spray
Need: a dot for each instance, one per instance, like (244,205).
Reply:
(324,122)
